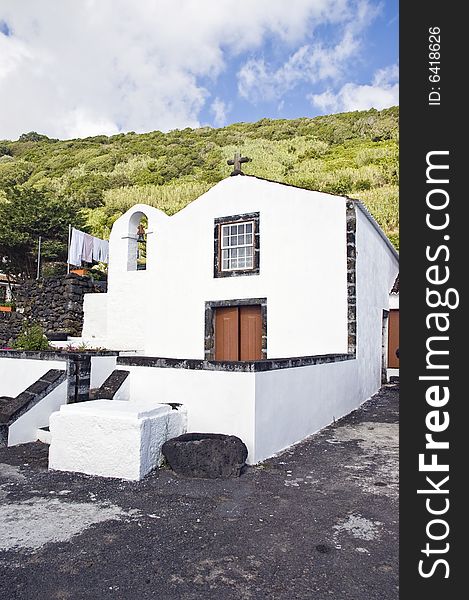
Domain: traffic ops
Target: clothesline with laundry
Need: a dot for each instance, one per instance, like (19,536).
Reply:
(83,247)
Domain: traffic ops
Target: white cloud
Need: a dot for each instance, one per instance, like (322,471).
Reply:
(387,76)
(74,122)
(220,110)
(99,66)
(311,63)
(381,93)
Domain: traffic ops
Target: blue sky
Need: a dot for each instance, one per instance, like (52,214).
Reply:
(73,69)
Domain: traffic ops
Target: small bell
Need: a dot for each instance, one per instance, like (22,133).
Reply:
(141,234)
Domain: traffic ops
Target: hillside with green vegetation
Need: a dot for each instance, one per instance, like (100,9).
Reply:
(98,178)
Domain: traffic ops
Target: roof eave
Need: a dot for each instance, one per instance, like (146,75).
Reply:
(373,221)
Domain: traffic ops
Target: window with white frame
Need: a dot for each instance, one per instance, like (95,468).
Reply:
(237,246)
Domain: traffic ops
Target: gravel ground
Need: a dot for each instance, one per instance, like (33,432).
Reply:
(319,521)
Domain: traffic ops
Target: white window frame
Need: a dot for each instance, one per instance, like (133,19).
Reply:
(229,247)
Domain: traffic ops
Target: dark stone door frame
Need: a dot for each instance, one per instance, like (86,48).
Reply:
(210,308)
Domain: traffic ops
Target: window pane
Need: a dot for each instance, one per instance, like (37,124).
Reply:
(237,246)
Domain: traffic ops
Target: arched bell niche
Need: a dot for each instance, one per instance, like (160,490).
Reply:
(137,252)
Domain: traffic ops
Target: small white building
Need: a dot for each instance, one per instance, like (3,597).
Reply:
(261,308)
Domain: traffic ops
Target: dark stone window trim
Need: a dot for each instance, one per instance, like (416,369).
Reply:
(217,270)
(210,307)
(254,366)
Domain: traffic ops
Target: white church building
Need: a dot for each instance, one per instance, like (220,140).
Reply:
(261,307)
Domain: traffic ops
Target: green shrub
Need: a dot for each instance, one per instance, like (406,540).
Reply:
(353,153)
(5,150)
(31,337)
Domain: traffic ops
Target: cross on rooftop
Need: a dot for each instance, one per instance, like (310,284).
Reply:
(237,161)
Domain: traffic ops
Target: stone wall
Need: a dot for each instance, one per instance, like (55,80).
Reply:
(10,326)
(56,303)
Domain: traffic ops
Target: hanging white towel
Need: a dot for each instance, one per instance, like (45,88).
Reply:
(76,248)
(104,251)
(96,249)
(87,254)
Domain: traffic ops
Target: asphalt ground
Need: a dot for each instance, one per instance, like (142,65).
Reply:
(319,521)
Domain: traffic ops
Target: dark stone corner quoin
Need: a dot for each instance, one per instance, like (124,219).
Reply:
(206,455)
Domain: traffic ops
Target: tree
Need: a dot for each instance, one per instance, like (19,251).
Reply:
(32,136)
(5,150)
(26,214)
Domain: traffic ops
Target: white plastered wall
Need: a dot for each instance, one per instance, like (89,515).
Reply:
(393,301)
(18,374)
(101,368)
(294,403)
(216,401)
(95,321)
(302,273)
(377,268)
(24,429)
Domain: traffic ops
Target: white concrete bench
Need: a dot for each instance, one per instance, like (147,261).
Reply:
(112,438)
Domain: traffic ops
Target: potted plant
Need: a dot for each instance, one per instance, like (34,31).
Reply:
(81,272)
(7,307)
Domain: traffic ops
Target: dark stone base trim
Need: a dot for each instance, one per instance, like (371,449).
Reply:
(53,354)
(256,366)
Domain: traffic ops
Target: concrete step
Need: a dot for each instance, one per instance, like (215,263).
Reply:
(44,435)
(111,387)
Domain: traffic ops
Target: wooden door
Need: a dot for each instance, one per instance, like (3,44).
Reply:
(393,339)
(238,333)
(227,333)
(250,327)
